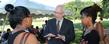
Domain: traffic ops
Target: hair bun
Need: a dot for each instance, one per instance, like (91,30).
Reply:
(9,7)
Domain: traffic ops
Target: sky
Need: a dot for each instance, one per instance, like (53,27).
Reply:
(52,3)
(4,2)
(49,3)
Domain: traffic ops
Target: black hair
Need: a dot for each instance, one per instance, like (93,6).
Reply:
(32,26)
(46,21)
(8,29)
(16,14)
(85,11)
(91,11)
(37,27)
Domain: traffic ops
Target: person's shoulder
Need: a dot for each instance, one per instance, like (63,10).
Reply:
(67,20)
(32,38)
(31,35)
(99,24)
(51,20)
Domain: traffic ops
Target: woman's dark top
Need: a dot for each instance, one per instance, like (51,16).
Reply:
(92,37)
(13,36)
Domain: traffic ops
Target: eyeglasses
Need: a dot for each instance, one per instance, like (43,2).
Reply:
(59,12)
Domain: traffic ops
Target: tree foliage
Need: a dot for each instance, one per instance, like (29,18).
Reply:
(105,8)
(76,6)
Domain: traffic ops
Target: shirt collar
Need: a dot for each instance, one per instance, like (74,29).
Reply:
(60,20)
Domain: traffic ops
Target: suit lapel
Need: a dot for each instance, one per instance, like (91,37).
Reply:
(54,25)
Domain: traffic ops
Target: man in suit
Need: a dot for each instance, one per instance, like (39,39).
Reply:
(59,30)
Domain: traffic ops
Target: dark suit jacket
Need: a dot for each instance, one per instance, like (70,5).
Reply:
(92,37)
(67,29)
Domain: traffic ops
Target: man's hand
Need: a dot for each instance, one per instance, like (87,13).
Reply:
(62,37)
(49,36)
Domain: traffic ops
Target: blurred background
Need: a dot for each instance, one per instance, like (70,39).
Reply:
(42,10)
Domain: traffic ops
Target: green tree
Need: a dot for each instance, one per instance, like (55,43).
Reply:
(76,6)
(105,8)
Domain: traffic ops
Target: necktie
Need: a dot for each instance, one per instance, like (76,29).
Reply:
(58,26)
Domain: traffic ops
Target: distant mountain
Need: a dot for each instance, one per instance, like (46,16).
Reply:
(39,6)
(31,5)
